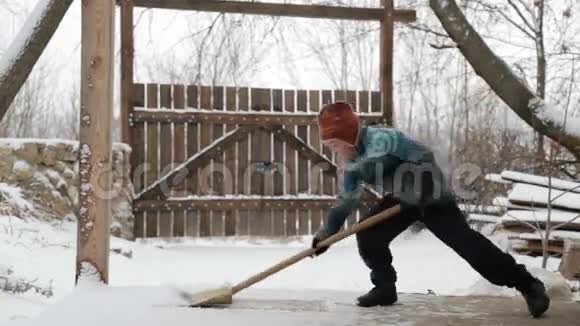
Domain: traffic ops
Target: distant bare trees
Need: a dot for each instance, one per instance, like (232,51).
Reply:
(219,49)
(18,61)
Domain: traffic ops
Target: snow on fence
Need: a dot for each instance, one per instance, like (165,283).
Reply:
(248,161)
(536,204)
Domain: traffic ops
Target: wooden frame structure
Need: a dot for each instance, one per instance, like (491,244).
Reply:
(207,122)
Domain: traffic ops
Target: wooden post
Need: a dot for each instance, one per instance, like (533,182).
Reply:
(94,213)
(570,263)
(126,70)
(386,61)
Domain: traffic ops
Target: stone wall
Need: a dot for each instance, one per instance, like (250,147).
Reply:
(46,172)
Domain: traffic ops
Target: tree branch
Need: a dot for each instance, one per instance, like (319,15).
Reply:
(522,17)
(25,50)
(501,78)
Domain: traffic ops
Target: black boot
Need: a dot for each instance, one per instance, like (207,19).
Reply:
(385,295)
(536,298)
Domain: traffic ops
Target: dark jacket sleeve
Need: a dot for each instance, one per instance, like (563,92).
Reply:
(347,201)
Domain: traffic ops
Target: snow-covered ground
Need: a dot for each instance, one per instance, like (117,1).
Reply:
(45,254)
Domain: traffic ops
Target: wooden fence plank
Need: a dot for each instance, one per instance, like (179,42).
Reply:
(152,130)
(139,225)
(376,102)
(290,181)
(192,216)
(165,156)
(192,138)
(340,95)
(217,132)
(316,173)
(217,216)
(205,180)
(351,99)
(363,102)
(303,168)
(179,215)
(243,183)
(302,133)
(192,223)
(328,182)
(230,157)
(261,221)
(138,159)
(278,216)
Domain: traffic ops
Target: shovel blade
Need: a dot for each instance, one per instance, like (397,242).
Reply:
(212,297)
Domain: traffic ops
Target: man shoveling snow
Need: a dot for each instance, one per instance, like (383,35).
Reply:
(407,170)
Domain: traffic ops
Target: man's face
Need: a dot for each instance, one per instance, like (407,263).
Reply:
(340,147)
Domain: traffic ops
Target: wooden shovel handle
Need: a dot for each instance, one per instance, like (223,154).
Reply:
(367,223)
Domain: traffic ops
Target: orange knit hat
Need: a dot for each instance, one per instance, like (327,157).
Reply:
(338,121)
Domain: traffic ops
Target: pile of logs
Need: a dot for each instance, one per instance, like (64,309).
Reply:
(533,207)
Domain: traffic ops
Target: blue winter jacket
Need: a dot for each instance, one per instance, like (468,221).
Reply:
(382,155)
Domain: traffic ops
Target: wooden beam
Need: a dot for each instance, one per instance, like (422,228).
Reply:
(95,141)
(304,150)
(279,9)
(308,152)
(570,263)
(234,203)
(240,118)
(536,247)
(126,70)
(386,61)
(179,173)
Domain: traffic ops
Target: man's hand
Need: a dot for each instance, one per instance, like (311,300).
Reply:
(319,251)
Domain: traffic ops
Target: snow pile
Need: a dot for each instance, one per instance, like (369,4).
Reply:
(10,283)
(89,275)
(38,250)
(12,202)
(556,285)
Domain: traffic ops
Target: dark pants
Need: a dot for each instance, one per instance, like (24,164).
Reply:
(448,223)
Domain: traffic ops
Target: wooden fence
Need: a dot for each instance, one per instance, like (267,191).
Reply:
(221,161)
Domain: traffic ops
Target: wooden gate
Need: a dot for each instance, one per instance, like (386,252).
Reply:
(222,161)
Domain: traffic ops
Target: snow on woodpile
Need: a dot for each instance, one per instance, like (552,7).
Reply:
(542,196)
(497,178)
(541,216)
(512,176)
(535,204)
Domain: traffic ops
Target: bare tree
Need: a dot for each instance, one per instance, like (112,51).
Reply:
(529,22)
(503,81)
(26,114)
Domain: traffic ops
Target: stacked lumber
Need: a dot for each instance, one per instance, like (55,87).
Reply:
(535,204)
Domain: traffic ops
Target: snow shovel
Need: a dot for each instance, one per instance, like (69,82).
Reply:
(225,295)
